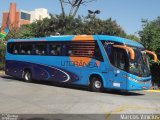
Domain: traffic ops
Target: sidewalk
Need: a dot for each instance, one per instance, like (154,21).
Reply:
(157,91)
(2,72)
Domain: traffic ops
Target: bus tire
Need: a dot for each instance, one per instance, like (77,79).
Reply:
(27,76)
(96,84)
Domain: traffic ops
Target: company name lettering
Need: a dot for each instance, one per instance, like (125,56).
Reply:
(79,63)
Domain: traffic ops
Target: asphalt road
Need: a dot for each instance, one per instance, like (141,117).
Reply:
(43,97)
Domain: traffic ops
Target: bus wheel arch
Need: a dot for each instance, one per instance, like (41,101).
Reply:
(27,75)
(96,83)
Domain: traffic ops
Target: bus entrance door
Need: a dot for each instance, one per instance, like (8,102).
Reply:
(118,69)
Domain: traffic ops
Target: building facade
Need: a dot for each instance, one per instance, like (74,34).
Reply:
(15,18)
(10,18)
(39,14)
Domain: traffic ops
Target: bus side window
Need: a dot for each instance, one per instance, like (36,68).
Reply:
(26,48)
(15,51)
(22,52)
(54,49)
(64,49)
(13,48)
(40,48)
(97,53)
(10,48)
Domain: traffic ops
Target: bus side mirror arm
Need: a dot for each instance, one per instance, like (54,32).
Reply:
(129,49)
(154,55)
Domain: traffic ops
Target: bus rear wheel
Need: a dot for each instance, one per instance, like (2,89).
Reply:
(96,84)
(27,76)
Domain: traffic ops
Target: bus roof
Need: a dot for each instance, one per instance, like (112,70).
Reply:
(121,40)
(71,37)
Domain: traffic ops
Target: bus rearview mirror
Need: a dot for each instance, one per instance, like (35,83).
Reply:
(129,49)
(154,55)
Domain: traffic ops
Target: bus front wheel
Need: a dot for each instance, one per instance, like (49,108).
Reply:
(27,76)
(96,84)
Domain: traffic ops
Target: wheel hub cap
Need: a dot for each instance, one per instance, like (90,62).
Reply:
(98,84)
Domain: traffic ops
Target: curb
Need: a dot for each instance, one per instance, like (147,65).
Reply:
(156,91)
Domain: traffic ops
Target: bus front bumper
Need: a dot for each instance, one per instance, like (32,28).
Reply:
(138,84)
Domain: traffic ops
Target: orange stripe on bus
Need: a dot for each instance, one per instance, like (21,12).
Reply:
(83,60)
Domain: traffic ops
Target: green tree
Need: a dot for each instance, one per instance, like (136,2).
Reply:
(150,38)
(150,35)
(94,25)
(13,33)
(67,25)
(81,25)
(132,37)
(26,31)
(2,55)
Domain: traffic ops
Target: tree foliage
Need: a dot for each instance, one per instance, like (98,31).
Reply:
(67,26)
(150,35)
(150,38)
(133,37)
(2,55)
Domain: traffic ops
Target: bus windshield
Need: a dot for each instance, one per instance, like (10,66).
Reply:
(140,65)
(119,58)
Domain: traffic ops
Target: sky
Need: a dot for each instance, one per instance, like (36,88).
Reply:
(127,13)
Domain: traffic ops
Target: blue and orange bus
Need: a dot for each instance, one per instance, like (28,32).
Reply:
(97,61)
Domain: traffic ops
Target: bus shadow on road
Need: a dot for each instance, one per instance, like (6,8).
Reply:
(124,93)
(75,87)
